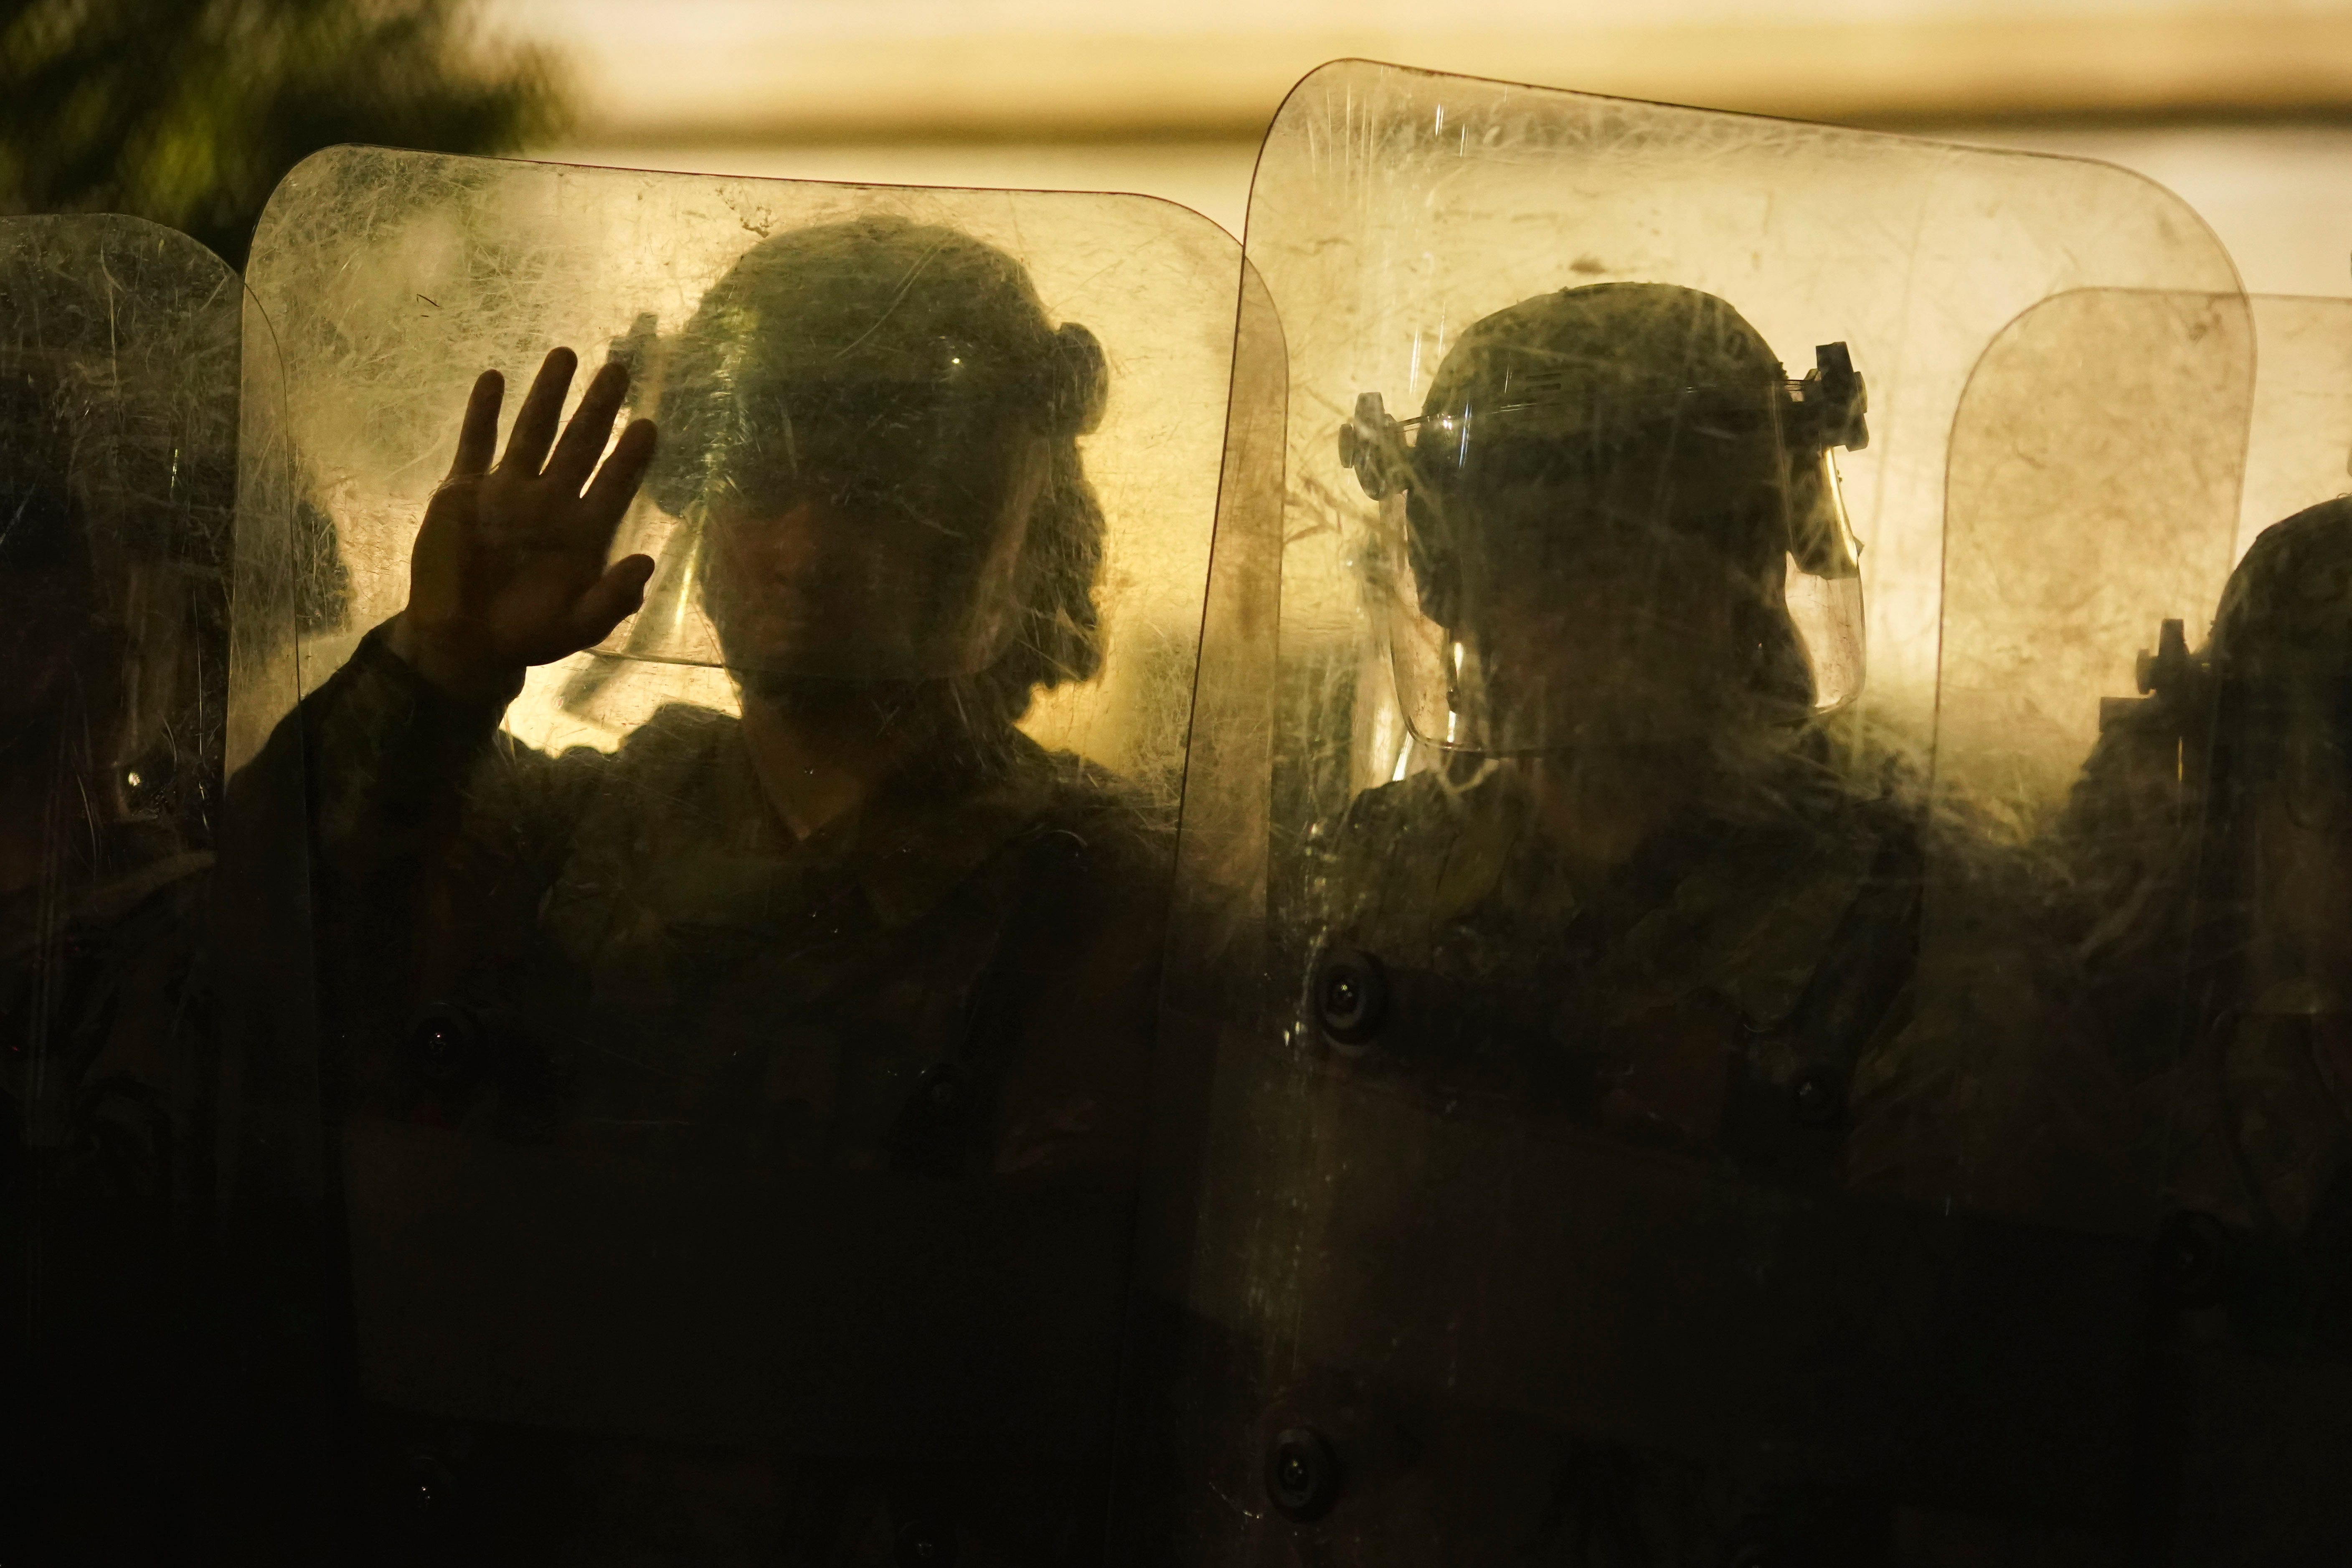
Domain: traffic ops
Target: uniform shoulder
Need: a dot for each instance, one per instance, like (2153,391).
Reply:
(1125,827)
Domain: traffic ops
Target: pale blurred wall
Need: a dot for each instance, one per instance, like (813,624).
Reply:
(2280,195)
(786,69)
(2244,108)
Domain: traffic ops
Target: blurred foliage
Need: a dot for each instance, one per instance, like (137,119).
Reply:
(188,113)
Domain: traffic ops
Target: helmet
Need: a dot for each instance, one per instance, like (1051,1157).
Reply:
(870,428)
(1631,433)
(2282,651)
(2279,812)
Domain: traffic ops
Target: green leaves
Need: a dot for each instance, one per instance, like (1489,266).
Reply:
(188,112)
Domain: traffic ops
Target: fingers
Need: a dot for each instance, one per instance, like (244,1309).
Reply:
(478,434)
(612,599)
(617,483)
(591,426)
(543,406)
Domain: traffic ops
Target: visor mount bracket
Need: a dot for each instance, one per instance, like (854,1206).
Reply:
(2161,673)
(1844,398)
(1371,446)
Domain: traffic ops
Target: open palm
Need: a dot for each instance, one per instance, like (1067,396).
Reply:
(508,568)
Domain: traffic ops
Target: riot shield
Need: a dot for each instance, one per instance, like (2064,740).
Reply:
(738,1023)
(2134,976)
(1562,851)
(119,365)
(2096,465)
(2253,1428)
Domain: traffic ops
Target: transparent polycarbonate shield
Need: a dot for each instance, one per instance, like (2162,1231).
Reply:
(1393,210)
(1521,1222)
(119,366)
(2077,524)
(741,1040)
(2135,984)
(860,368)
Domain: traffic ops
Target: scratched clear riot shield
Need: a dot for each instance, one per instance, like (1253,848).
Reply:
(1560,809)
(737,1047)
(119,387)
(2137,978)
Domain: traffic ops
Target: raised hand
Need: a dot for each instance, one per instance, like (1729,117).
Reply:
(508,568)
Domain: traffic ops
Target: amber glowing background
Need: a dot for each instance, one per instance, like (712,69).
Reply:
(2243,109)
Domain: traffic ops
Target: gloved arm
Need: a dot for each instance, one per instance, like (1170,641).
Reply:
(430,833)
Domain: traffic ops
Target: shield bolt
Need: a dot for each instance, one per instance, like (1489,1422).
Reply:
(1302,1475)
(1351,995)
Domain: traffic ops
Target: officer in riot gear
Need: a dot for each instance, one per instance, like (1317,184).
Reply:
(1554,910)
(1632,888)
(2164,1050)
(1604,497)
(867,934)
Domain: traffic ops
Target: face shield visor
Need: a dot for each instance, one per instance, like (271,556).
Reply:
(857,510)
(1562,566)
(868,525)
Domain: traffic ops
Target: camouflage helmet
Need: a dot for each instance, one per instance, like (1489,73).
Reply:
(1623,389)
(2292,592)
(1599,350)
(878,300)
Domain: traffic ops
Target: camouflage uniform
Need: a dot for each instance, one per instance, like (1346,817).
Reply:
(582,905)
(712,1194)
(1713,993)
(623,957)
(2136,1028)
(1612,478)
(104,1009)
